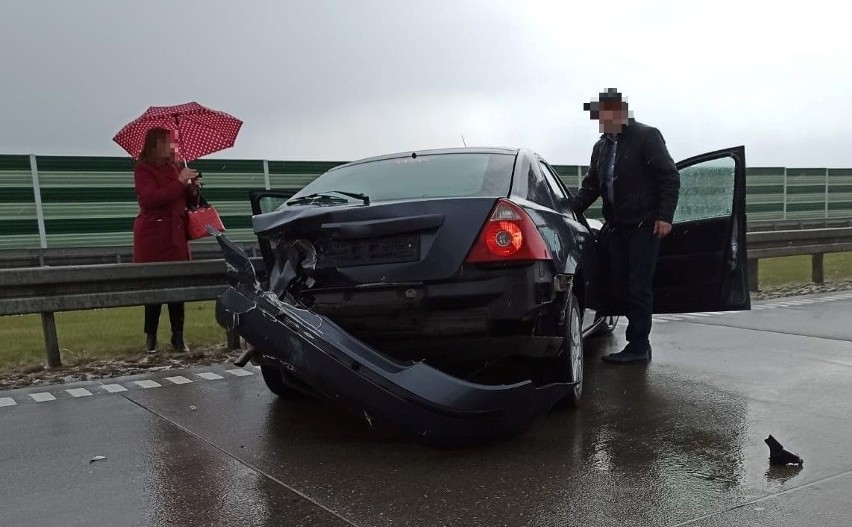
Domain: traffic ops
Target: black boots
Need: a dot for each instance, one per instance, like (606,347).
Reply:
(630,354)
(177,342)
(176,318)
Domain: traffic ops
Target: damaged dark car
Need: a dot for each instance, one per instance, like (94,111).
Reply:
(447,293)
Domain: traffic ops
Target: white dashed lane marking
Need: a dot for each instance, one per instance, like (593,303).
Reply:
(672,317)
(113,388)
(42,397)
(180,379)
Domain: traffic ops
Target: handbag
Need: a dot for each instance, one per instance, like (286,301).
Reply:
(200,217)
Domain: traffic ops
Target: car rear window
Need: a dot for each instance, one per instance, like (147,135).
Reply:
(420,177)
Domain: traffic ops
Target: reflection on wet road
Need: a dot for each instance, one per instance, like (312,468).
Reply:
(678,442)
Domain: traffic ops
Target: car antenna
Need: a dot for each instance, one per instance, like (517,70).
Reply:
(463,142)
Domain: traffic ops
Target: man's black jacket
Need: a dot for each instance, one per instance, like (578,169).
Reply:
(646,185)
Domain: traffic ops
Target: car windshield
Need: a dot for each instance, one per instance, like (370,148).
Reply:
(420,177)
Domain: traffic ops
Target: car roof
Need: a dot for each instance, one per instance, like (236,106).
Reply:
(436,151)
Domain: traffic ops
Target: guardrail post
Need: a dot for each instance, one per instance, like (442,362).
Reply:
(752,275)
(784,203)
(817,274)
(51,341)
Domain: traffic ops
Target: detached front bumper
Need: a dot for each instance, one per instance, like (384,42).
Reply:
(413,398)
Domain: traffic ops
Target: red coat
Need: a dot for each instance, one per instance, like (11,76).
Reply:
(159,232)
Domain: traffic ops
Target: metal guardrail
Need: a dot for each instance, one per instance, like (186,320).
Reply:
(64,256)
(794,225)
(815,242)
(46,290)
(773,244)
(205,250)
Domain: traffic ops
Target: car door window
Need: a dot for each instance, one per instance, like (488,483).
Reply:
(264,201)
(561,184)
(551,180)
(555,187)
(271,203)
(538,190)
(706,190)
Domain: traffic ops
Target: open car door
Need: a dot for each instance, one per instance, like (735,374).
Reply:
(702,265)
(263,201)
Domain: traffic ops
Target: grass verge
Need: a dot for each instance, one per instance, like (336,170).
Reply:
(101,333)
(778,272)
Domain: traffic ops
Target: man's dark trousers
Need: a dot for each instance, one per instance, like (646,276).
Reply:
(633,253)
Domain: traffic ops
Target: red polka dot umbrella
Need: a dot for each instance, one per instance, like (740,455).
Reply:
(197,130)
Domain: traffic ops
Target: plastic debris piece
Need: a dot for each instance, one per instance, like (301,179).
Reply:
(778,455)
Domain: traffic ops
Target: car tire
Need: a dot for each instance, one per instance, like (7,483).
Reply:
(276,380)
(571,356)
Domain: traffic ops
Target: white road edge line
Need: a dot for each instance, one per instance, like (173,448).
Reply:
(239,372)
(7,401)
(113,388)
(147,384)
(79,392)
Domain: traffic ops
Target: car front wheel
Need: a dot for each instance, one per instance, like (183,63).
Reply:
(276,380)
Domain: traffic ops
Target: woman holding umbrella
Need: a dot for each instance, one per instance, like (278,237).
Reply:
(164,191)
(170,135)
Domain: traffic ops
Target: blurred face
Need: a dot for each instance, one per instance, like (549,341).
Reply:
(612,117)
(165,149)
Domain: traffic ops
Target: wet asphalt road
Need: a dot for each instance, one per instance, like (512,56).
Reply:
(679,442)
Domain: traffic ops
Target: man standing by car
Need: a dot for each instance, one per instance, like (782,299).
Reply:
(633,171)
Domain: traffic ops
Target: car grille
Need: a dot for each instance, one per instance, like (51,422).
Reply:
(371,251)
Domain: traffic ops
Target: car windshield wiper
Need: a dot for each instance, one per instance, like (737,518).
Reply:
(325,196)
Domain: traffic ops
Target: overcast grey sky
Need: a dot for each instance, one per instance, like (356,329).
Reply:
(343,79)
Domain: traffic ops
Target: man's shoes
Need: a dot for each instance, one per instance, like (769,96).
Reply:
(177,342)
(151,343)
(629,355)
